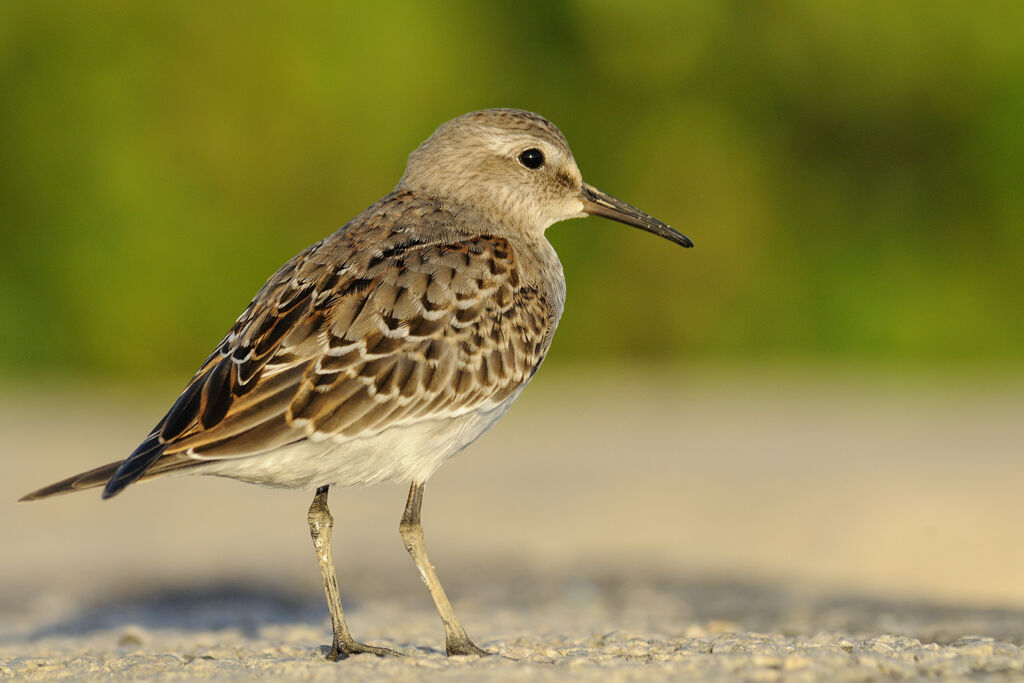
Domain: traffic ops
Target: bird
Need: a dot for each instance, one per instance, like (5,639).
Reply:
(383,350)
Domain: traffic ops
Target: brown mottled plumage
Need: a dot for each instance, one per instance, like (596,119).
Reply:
(383,350)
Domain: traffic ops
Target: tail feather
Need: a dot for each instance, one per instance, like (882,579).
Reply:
(85,480)
(149,459)
(143,464)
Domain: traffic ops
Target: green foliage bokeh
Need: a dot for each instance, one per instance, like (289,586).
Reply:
(850,171)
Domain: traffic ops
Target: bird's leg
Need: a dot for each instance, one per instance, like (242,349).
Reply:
(320,526)
(456,640)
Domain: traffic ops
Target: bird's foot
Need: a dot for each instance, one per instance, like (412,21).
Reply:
(342,649)
(464,646)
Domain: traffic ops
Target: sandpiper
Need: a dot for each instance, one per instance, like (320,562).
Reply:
(383,350)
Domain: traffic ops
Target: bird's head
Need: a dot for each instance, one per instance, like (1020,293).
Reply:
(517,167)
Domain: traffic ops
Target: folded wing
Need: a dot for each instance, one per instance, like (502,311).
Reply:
(396,334)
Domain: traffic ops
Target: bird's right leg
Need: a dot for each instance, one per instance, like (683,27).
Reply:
(320,526)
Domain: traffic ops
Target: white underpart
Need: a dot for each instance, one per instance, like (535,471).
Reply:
(404,453)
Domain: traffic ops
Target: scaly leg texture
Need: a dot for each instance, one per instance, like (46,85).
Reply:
(456,640)
(321,524)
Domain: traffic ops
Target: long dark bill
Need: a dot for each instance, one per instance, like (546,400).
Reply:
(597,203)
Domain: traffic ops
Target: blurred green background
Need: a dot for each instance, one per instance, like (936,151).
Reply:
(850,171)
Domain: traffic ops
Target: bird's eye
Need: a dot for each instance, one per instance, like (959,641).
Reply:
(532,158)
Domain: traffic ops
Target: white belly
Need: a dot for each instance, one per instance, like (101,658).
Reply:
(409,453)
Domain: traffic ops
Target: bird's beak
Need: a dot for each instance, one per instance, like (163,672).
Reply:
(597,203)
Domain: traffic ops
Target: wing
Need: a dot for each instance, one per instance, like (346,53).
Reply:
(397,333)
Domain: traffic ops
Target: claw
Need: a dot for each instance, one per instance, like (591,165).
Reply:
(465,647)
(346,649)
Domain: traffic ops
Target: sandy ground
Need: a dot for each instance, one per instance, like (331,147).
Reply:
(717,525)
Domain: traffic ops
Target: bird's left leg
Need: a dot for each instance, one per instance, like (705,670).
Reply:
(456,640)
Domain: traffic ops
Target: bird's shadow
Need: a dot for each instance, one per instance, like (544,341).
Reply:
(212,607)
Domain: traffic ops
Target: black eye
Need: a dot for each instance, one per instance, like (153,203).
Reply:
(532,158)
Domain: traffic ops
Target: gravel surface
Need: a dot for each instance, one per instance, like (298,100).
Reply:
(722,528)
(574,628)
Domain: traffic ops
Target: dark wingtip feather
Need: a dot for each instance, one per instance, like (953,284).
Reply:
(135,465)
